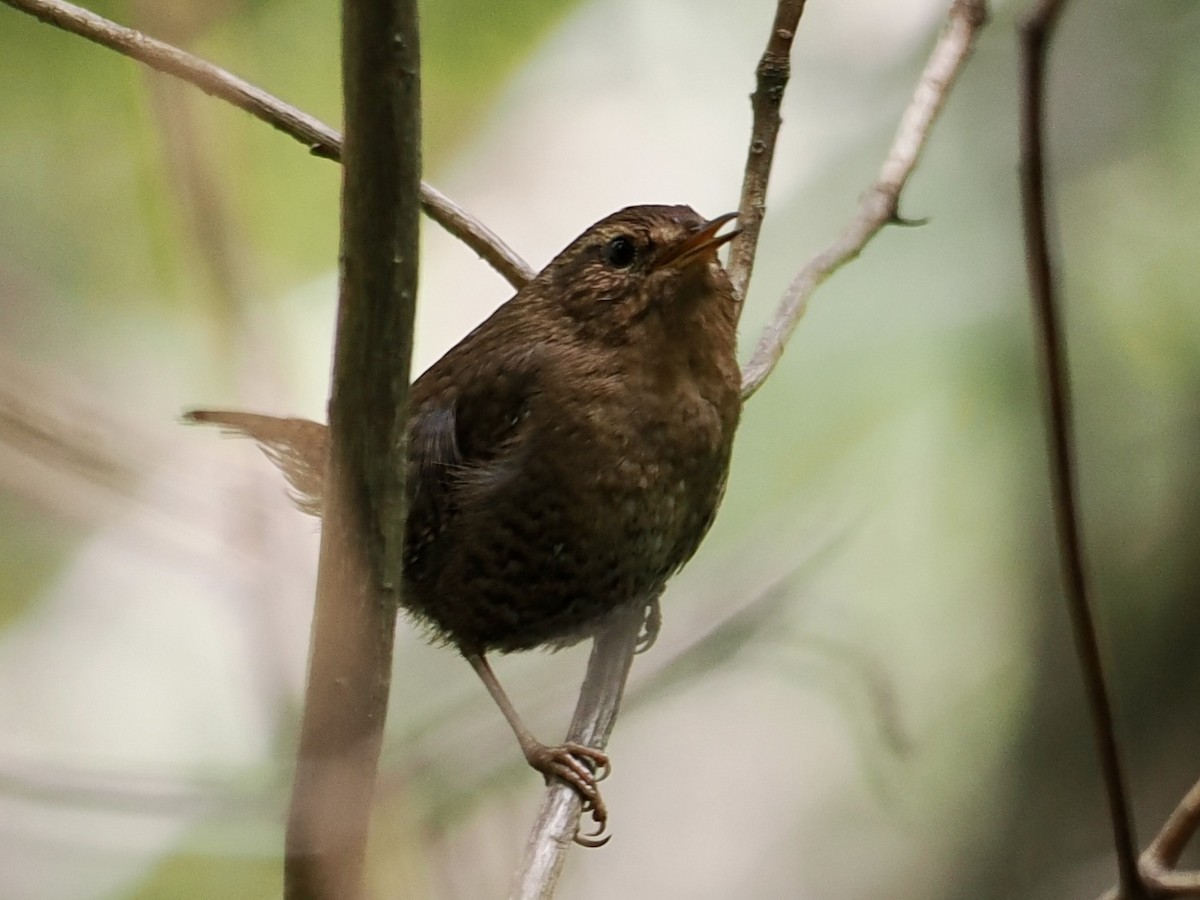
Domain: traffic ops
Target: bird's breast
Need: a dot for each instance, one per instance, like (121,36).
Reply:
(660,462)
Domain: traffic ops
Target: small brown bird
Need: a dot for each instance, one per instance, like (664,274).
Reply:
(567,456)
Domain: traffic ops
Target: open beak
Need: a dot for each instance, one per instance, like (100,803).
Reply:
(702,241)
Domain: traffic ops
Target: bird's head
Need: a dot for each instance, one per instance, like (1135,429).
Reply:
(638,262)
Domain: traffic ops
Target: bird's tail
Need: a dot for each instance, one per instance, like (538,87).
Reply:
(298,447)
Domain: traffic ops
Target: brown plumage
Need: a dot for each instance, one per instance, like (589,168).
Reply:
(568,455)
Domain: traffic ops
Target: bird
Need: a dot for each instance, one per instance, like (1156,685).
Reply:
(565,458)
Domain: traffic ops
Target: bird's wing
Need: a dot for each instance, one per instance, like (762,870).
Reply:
(464,444)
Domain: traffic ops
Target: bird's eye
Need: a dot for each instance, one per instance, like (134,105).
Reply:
(619,252)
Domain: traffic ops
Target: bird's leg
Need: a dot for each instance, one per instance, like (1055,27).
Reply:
(651,625)
(573,763)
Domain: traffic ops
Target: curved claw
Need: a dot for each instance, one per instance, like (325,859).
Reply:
(599,813)
(581,768)
(595,838)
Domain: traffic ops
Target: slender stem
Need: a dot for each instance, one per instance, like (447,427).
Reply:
(318,137)
(880,203)
(1158,863)
(1036,30)
(772,75)
(1179,828)
(595,715)
(358,581)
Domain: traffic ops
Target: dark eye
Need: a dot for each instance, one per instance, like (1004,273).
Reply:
(619,252)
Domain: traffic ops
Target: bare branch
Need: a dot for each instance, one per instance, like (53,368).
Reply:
(772,75)
(358,582)
(318,137)
(489,246)
(1035,31)
(1162,856)
(1157,863)
(595,715)
(879,205)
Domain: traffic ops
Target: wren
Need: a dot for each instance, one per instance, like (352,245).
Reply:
(567,456)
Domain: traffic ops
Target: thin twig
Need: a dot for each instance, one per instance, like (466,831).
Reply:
(318,137)
(1036,29)
(358,581)
(772,75)
(595,715)
(1158,862)
(879,205)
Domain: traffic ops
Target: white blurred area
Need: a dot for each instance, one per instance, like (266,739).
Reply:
(165,661)
(633,102)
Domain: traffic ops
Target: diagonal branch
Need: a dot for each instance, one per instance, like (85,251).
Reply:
(772,75)
(318,137)
(595,714)
(880,203)
(1158,863)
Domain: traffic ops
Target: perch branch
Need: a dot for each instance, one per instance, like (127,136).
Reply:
(1035,30)
(318,137)
(595,715)
(358,580)
(771,78)
(880,204)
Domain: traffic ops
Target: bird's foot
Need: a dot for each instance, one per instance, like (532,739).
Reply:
(651,625)
(582,768)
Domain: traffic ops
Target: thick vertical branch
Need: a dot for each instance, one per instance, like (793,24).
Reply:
(359,580)
(771,78)
(1036,30)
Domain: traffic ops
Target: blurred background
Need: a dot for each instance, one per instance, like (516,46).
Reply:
(865,684)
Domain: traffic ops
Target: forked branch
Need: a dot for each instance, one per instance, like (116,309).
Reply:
(1157,864)
(880,204)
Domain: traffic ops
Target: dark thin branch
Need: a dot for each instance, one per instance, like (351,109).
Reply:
(880,204)
(318,137)
(358,582)
(772,75)
(595,715)
(1035,31)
